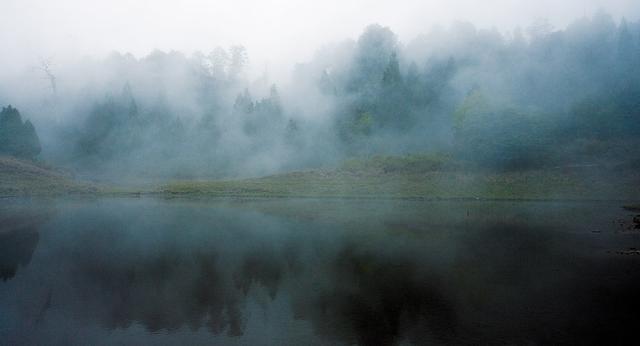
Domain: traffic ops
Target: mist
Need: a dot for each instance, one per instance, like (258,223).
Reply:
(275,32)
(205,90)
(336,172)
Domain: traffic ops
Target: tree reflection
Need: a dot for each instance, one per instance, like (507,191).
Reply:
(18,237)
(347,291)
(509,281)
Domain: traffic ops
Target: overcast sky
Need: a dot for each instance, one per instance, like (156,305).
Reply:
(274,32)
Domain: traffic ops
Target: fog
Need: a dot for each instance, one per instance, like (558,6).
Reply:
(276,33)
(157,89)
(328,172)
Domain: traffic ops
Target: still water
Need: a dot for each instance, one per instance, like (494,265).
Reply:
(303,272)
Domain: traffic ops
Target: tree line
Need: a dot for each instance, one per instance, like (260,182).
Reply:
(531,98)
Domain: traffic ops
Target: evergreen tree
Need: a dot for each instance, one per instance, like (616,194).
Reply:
(129,101)
(244,103)
(219,61)
(625,44)
(326,83)
(371,59)
(17,139)
(239,59)
(391,75)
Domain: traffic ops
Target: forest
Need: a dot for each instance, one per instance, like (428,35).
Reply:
(478,99)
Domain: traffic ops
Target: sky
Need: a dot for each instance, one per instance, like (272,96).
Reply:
(276,33)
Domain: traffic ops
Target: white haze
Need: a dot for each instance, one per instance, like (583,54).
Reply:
(136,87)
(276,33)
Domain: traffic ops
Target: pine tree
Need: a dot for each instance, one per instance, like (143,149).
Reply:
(625,43)
(17,139)
(391,74)
(244,103)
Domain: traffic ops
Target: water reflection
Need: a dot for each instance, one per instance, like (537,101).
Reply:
(18,237)
(148,271)
(371,299)
(16,248)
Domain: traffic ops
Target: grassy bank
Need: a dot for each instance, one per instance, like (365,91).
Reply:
(419,177)
(422,177)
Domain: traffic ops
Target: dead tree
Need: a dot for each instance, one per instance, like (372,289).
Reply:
(45,66)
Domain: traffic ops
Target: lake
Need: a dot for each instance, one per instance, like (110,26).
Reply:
(314,272)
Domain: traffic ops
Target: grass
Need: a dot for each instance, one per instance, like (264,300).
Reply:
(421,177)
(533,185)
(406,177)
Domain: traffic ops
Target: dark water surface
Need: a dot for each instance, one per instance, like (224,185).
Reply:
(304,272)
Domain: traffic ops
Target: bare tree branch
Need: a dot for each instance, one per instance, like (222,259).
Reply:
(45,66)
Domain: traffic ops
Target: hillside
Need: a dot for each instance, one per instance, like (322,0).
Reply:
(20,178)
